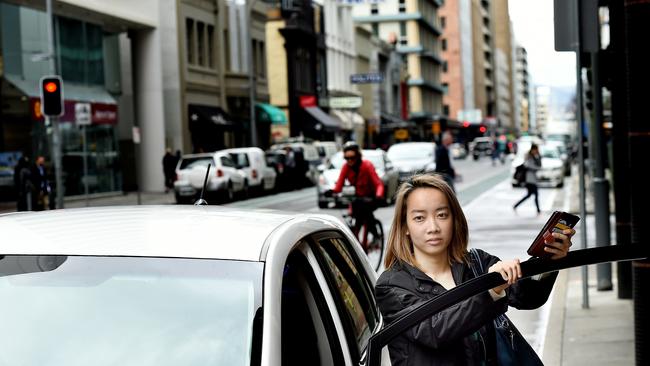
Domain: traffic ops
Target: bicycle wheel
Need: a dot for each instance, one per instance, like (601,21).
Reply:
(375,245)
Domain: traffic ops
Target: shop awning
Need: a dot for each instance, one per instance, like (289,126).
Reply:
(204,113)
(272,114)
(349,119)
(389,122)
(325,120)
(71,91)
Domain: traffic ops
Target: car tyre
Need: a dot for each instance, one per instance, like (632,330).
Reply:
(323,204)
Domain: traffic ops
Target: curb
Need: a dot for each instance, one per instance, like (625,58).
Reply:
(552,353)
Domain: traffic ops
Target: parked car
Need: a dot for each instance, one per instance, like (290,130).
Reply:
(224,180)
(379,159)
(188,285)
(481,146)
(552,172)
(307,159)
(413,157)
(252,162)
(564,154)
(457,151)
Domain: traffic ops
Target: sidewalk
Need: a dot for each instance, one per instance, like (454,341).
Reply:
(602,334)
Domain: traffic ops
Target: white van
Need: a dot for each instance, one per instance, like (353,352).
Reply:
(252,162)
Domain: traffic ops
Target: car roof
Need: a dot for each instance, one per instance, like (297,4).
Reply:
(148,231)
(410,144)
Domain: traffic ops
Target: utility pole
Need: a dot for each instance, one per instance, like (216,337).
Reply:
(251,71)
(637,74)
(53,122)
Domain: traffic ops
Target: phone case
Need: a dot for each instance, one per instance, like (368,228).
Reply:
(556,223)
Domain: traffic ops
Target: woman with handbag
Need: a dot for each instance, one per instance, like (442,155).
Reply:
(426,256)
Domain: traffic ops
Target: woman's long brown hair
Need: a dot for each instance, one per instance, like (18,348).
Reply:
(400,246)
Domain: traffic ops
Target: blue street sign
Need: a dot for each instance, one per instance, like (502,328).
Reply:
(370,78)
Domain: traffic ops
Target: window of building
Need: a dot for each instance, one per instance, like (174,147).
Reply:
(189,40)
(375,29)
(402,6)
(443,22)
(226,49)
(211,46)
(80,51)
(445,86)
(444,44)
(262,61)
(200,42)
(445,110)
(374,9)
(444,66)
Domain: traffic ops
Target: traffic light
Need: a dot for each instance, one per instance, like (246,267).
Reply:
(482,129)
(52,96)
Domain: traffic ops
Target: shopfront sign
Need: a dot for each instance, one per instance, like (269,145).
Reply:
(345,102)
(100,113)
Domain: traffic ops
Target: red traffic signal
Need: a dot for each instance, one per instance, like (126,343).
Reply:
(52,96)
(482,129)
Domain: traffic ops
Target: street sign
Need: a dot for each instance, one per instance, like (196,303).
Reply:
(82,114)
(370,78)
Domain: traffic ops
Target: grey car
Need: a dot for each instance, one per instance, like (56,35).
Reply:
(410,158)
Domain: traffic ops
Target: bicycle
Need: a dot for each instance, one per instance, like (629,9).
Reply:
(373,245)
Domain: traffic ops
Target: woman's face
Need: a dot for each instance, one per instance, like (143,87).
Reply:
(429,222)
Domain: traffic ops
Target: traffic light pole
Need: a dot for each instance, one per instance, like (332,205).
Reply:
(53,122)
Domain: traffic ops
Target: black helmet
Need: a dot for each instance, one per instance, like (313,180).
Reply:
(351,146)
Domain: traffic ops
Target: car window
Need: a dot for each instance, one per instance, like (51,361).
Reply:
(193,162)
(353,291)
(240,159)
(128,311)
(410,151)
(227,162)
(310,152)
(552,153)
(308,333)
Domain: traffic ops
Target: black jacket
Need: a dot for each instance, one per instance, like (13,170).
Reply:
(443,164)
(460,335)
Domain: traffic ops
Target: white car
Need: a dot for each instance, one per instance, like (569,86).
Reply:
(183,285)
(224,179)
(252,162)
(552,172)
(410,158)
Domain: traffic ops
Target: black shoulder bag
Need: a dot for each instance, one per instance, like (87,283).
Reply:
(512,348)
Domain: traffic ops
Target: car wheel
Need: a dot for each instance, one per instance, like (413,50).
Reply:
(179,199)
(244,192)
(230,193)
(323,204)
(560,185)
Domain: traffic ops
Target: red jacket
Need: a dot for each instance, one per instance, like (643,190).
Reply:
(366,182)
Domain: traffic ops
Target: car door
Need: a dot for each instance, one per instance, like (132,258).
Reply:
(352,289)
(230,169)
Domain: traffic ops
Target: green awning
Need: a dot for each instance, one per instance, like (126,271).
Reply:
(271,113)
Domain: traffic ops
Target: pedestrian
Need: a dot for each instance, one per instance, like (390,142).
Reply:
(426,256)
(533,163)
(42,187)
(169,169)
(23,184)
(443,163)
(291,168)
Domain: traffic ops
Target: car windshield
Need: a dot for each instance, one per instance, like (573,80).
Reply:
(190,163)
(549,152)
(377,161)
(59,310)
(410,151)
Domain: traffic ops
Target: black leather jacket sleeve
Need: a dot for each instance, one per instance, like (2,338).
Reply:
(449,325)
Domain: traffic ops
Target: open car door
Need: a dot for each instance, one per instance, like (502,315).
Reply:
(529,268)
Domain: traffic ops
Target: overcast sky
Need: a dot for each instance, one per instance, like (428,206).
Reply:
(532,21)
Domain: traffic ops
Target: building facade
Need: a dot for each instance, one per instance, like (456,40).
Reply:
(415,27)
(504,62)
(542,104)
(522,86)
(484,66)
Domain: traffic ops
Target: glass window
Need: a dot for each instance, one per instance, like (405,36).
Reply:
(72,49)
(190,163)
(211,46)
(189,40)
(128,310)
(227,162)
(240,159)
(352,290)
(200,41)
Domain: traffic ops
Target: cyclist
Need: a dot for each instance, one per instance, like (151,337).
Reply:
(368,187)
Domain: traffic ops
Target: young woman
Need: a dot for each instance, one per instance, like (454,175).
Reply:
(426,256)
(533,163)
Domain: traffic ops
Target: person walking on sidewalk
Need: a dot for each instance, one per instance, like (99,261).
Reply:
(443,163)
(169,169)
(532,164)
(426,256)
(43,189)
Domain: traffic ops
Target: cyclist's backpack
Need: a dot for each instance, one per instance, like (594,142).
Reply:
(520,174)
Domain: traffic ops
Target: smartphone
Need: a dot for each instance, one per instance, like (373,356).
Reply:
(558,222)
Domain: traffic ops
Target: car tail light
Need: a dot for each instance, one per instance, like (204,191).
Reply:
(176,177)
(280,168)
(219,173)
(254,173)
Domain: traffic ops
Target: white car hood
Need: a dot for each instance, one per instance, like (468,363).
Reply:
(409,165)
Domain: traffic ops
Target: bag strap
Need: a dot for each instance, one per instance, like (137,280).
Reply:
(474,261)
